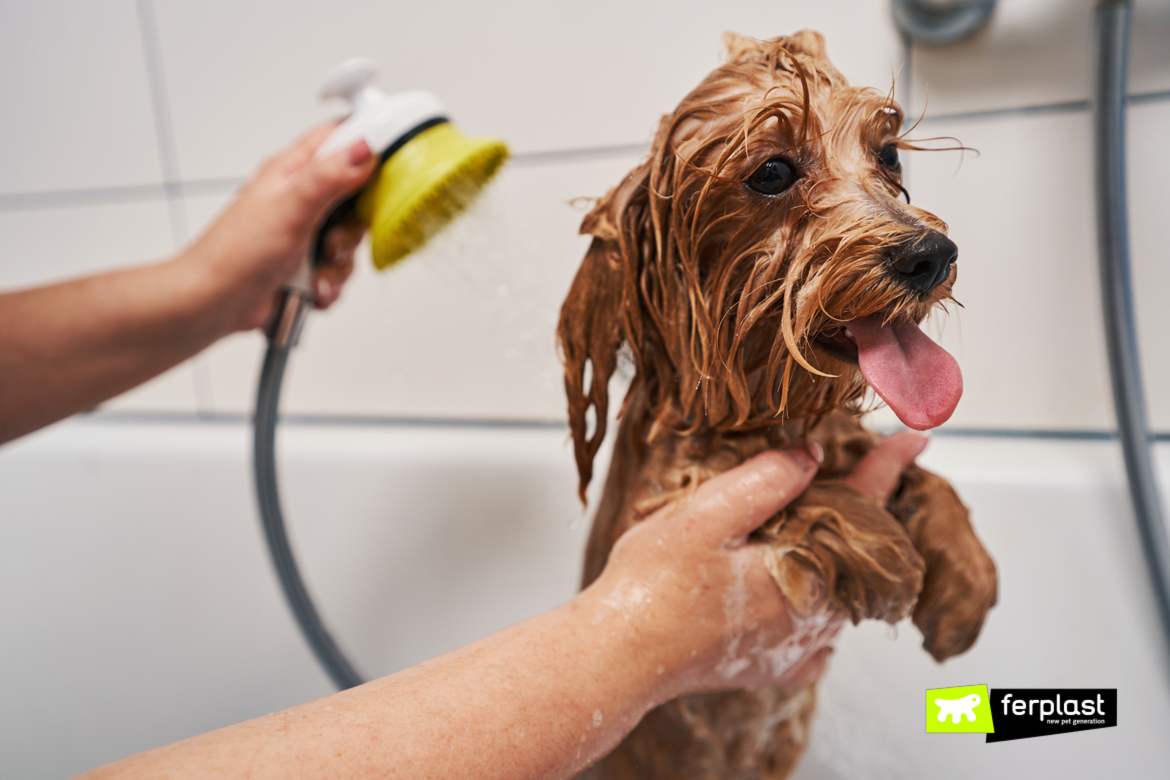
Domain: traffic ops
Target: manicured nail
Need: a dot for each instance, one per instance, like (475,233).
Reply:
(359,153)
(324,288)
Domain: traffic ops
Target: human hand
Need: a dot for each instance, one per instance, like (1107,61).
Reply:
(695,594)
(264,237)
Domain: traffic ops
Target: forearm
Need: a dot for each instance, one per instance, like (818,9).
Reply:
(544,698)
(68,347)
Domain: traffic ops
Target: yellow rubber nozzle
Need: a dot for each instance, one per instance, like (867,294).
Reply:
(423,186)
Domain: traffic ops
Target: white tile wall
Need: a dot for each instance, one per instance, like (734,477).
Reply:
(1035,52)
(1149,170)
(1149,69)
(44,246)
(1030,338)
(543,75)
(363,365)
(73,83)
(47,245)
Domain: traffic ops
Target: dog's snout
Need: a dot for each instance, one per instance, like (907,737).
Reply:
(925,263)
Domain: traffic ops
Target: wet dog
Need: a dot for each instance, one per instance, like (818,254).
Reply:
(760,270)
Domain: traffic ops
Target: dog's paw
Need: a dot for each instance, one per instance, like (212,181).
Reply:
(961,583)
(960,589)
(835,544)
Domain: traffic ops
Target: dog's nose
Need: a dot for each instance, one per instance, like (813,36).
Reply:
(925,263)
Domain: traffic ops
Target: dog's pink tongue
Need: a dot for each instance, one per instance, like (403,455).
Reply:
(918,379)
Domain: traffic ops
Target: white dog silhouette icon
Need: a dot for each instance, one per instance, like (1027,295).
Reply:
(957,708)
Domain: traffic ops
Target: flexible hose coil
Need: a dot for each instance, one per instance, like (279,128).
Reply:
(328,653)
(1112,48)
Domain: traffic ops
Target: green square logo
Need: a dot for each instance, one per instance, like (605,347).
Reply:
(965,710)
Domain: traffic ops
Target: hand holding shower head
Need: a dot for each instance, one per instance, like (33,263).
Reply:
(429,172)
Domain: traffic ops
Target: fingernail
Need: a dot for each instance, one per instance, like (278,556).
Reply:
(324,288)
(922,443)
(816,452)
(359,153)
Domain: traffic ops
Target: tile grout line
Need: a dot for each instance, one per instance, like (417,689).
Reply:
(1043,109)
(163,127)
(115,417)
(200,371)
(177,189)
(554,156)
(907,93)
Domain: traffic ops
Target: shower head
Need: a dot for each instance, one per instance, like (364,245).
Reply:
(429,171)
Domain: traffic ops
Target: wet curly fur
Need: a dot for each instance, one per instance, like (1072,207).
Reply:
(726,302)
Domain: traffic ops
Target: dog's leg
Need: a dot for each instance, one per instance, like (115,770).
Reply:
(834,544)
(960,584)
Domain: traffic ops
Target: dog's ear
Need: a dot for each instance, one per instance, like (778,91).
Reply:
(602,311)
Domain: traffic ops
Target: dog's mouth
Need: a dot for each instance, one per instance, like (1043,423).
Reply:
(839,342)
(919,379)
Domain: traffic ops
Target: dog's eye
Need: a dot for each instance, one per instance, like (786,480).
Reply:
(773,177)
(888,157)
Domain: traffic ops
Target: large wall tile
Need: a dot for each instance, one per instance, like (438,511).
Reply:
(176,390)
(48,245)
(1032,52)
(242,76)
(73,84)
(1149,170)
(1030,338)
(465,328)
(1035,52)
(52,245)
(1149,65)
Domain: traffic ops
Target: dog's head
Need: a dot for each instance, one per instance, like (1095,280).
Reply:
(760,265)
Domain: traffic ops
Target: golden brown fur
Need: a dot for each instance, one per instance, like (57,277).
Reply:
(720,295)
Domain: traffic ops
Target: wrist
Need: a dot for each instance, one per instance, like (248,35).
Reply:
(225,303)
(644,645)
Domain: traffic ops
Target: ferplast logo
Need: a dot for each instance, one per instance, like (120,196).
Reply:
(1019,713)
(963,710)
